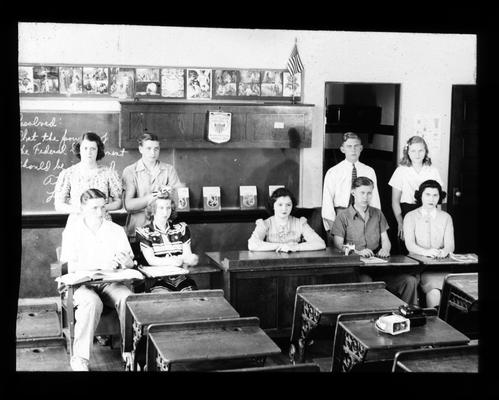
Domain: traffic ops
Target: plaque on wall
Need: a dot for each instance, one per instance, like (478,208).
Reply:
(219,126)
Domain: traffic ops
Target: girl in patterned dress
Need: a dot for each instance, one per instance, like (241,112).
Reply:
(282,231)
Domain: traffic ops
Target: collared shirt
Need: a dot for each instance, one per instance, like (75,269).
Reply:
(428,230)
(364,233)
(407,180)
(139,181)
(338,185)
(86,250)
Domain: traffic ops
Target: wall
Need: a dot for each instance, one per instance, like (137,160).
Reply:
(426,66)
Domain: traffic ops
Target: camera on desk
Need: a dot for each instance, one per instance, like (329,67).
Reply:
(393,324)
(348,248)
(414,313)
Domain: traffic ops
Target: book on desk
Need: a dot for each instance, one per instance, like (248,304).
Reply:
(82,276)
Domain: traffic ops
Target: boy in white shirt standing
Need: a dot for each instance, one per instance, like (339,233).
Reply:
(339,178)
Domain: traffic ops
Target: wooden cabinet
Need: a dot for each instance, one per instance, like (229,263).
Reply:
(185,125)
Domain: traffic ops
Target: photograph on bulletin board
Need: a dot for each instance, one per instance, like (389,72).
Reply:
(249,82)
(292,84)
(95,80)
(225,82)
(147,82)
(199,84)
(71,80)
(25,79)
(271,83)
(173,82)
(122,82)
(45,79)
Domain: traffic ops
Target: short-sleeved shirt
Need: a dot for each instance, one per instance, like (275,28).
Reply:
(297,230)
(350,225)
(407,180)
(75,180)
(86,250)
(138,181)
(164,243)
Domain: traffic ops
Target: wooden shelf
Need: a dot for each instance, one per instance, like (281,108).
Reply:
(184,125)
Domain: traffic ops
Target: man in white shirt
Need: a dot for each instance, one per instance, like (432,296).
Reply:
(338,180)
(95,243)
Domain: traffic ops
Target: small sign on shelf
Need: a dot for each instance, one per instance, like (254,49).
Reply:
(183,199)
(247,197)
(211,198)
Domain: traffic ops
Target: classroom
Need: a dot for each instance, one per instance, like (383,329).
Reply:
(228,152)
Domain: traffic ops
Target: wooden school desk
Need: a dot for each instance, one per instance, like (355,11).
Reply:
(152,308)
(205,345)
(444,359)
(357,341)
(445,264)
(317,304)
(263,283)
(395,263)
(460,304)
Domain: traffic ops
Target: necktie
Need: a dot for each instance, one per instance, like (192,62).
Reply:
(354,173)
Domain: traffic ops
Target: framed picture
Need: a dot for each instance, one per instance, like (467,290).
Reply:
(147,82)
(45,79)
(199,84)
(71,80)
(173,82)
(292,84)
(249,82)
(25,76)
(271,83)
(95,80)
(122,82)
(225,82)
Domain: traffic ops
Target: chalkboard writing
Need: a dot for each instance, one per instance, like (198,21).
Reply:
(46,147)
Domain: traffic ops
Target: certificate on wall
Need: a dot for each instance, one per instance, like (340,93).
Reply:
(247,197)
(183,199)
(211,198)
(219,126)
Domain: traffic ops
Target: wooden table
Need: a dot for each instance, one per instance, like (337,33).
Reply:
(444,359)
(357,341)
(460,299)
(159,308)
(193,345)
(323,303)
(263,284)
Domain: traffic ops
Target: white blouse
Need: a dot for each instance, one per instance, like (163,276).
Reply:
(407,180)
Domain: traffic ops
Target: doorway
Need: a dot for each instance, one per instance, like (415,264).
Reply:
(462,199)
(372,111)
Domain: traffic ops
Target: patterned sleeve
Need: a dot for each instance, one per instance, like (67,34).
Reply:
(186,233)
(143,236)
(62,187)
(114,185)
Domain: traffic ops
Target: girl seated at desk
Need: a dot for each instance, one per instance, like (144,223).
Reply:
(428,231)
(163,242)
(365,227)
(282,231)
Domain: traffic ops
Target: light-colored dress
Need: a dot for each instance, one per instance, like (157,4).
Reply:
(75,180)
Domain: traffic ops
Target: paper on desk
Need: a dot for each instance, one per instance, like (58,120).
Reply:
(162,270)
(373,260)
(464,257)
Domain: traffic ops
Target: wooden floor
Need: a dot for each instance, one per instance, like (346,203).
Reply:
(49,353)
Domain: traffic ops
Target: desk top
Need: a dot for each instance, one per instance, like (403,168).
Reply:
(440,261)
(392,261)
(349,297)
(154,308)
(434,332)
(446,359)
(467,283)
(211,340)
(248,260)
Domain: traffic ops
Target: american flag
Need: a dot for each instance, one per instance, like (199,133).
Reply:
(294,63)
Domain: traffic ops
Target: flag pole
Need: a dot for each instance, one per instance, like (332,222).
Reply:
(293,80)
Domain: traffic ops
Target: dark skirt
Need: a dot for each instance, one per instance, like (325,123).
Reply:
(406,207)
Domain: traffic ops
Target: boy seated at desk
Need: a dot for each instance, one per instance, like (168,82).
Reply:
(93,242)
(282,231)
(163,242)
(365,227)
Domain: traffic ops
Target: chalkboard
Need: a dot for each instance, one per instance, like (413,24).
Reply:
(46,149)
